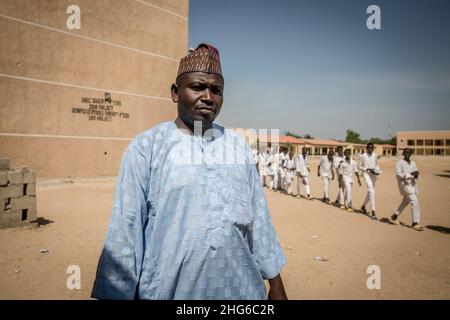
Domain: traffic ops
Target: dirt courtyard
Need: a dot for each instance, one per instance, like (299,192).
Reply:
(74,215)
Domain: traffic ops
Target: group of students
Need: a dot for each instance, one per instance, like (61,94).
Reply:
(279,169)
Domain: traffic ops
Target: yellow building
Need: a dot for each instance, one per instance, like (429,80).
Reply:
(71,99)
(425,143)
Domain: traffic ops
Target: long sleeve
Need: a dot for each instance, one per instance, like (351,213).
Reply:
(362,163)
(120,263)
(265,244)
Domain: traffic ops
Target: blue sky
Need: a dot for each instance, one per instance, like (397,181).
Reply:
(314,67)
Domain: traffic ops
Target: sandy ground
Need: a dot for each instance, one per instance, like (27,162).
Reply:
(414,265)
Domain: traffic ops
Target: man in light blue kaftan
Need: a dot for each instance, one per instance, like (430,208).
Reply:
(189,220)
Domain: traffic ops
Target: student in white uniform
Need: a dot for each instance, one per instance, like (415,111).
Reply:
(338,158)
(275,169)
(326,173)
(255,157)
(347,168)
(302,171)
(269,169)
(407,175)
(289,167)
(262,165)
(370,170)
(281,170)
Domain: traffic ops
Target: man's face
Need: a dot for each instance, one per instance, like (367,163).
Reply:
(339,151)
(330,154)
(304,152)
(199,96)
(347,154)
(407,154)
(370,149)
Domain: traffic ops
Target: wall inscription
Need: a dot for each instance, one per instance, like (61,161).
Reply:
(101,109)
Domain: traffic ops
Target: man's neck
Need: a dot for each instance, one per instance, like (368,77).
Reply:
(189,128)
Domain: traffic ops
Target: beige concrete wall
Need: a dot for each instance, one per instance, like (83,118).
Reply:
(129,48)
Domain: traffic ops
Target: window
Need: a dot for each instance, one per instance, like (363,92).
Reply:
(439,152)
(447,142)
(419,152)
(428,152)
(411,143)
(439,142)
(429,142)
(419,142)
(447,152)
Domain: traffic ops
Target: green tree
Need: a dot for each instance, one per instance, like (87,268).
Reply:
(352,136)
(288,133)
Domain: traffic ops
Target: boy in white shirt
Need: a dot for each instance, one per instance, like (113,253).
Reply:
(407,174)
(302,172)
(370,170)
(326,173)
(338,157)
(347,168)
(289,167)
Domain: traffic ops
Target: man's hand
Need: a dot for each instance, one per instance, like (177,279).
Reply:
(276,291)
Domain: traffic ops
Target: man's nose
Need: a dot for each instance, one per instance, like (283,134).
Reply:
(207,96)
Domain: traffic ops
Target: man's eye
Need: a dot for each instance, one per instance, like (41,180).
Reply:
(217,90)
(197,88)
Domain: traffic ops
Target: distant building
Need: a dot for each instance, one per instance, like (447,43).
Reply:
(315,147)
(426,143)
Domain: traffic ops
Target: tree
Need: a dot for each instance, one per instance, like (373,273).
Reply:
(288,133)
(305,136)
(352,136)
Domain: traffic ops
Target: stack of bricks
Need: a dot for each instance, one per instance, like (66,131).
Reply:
(17,195)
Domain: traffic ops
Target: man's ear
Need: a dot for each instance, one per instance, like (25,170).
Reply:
(174,90)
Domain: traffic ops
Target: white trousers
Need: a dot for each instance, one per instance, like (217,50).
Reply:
(261,178)
(340,195)
(326,184)
(413,200)
(300,182)
(288,179)
(346,194)
(281,176)
(276,180)
(370,180)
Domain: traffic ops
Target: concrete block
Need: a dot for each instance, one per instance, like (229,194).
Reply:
(31,215)
(29,177)
(4,163)
(31,189)
(25,202)
(11,191)
(15,176)
(11,218)
(2,205)
(3,178)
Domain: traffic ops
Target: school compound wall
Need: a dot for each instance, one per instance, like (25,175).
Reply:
(71,99)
